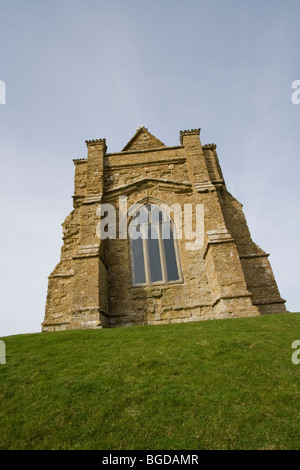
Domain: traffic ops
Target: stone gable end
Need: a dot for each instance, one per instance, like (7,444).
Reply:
(117,281)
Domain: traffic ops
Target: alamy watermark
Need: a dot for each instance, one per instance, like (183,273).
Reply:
(296,94)
(151,221)
(2,92)
(296,354)
(2,353)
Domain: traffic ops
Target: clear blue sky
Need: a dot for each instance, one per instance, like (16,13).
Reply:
(77,70)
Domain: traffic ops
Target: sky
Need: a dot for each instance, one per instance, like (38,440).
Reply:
(76,70)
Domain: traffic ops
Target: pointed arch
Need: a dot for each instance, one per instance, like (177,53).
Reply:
(155,257)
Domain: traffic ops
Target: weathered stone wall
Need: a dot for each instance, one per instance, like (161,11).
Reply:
(255,264)
(227,276)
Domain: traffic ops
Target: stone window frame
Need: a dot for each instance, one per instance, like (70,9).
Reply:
(164,281)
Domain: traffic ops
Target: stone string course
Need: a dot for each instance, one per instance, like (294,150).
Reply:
(91,286)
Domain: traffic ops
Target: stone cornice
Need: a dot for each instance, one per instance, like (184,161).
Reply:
(91,199)
(189,132)
(219,181)
(66,274)
(130,152)
(87,251)
(95,142)
(157,181)
(209,146)
(217,237)
(79,160)
(205,187)
(92,143)
(118,166)
(255,255)
(78,200)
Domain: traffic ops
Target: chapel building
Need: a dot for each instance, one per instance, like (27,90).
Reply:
(155,237)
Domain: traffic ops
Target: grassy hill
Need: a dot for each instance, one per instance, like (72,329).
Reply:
(224,384)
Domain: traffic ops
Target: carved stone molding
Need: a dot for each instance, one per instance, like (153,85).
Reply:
(205,187)
(87,251)
(93,198)
(215,237)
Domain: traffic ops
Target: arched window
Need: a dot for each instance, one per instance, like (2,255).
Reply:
(154,250)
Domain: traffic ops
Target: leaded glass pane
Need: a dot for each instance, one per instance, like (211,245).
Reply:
(154,255)
(170,255)
(138,261)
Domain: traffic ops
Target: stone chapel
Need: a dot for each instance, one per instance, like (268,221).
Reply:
(120,280)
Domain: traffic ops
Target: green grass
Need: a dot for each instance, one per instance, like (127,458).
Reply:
(224,384)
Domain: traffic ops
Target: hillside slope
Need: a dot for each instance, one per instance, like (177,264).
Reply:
(224,384)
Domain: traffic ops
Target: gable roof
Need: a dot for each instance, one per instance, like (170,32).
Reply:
(143,140)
